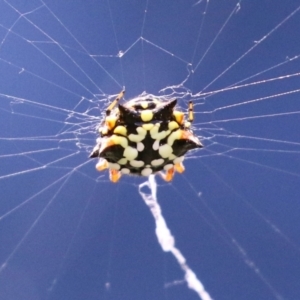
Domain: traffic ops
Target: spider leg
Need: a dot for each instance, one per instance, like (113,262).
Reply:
(102,164)
(191,112)
(179,168)
(114,103)
(114,175)
(168,175)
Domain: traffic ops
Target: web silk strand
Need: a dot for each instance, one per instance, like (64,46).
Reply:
(167,240)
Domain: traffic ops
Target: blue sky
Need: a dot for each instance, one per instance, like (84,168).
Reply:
(66,232)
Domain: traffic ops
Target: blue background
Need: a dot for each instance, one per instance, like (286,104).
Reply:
(66,232)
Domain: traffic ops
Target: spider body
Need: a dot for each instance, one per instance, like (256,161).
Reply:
(144,136)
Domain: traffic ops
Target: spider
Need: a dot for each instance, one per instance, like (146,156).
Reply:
(144,136)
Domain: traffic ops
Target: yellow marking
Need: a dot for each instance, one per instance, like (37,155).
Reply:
(119,140)
(172,156)
(178,160)
(154,129)
(130,153)
(146,172)
(136,138)
(148,127)
(173,125)
(114,166)
(120,130)
(146,115)
(157,162)
(155,145)
(144,104)
(176,135)
(110,122)
(165,151)
(139,136)
(125,171)
(122,161)
(137,163)
(140,146)
(179,116)
(160,135)
(141,131)
(114,175)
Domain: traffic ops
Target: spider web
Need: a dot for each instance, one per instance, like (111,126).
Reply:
(67,232)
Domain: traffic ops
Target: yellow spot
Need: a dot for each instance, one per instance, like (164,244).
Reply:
(165,151)
(125,171)
(144,104)
(114,175)
(148,126)
(114,166)
(173,125)
(168,166)
(146,172)
(137,163)
(160,135)
(179,116)
(157,162)
(122,161)
(110,122)
(155,145)
(140,147)
(119,140)
(120,130)
(178,160)
(136,138)
(172,156)
(176,135)
(141,133)
(154,130)
(146,115)
(130,153)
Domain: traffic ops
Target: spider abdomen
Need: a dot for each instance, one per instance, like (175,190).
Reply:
(143,137)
